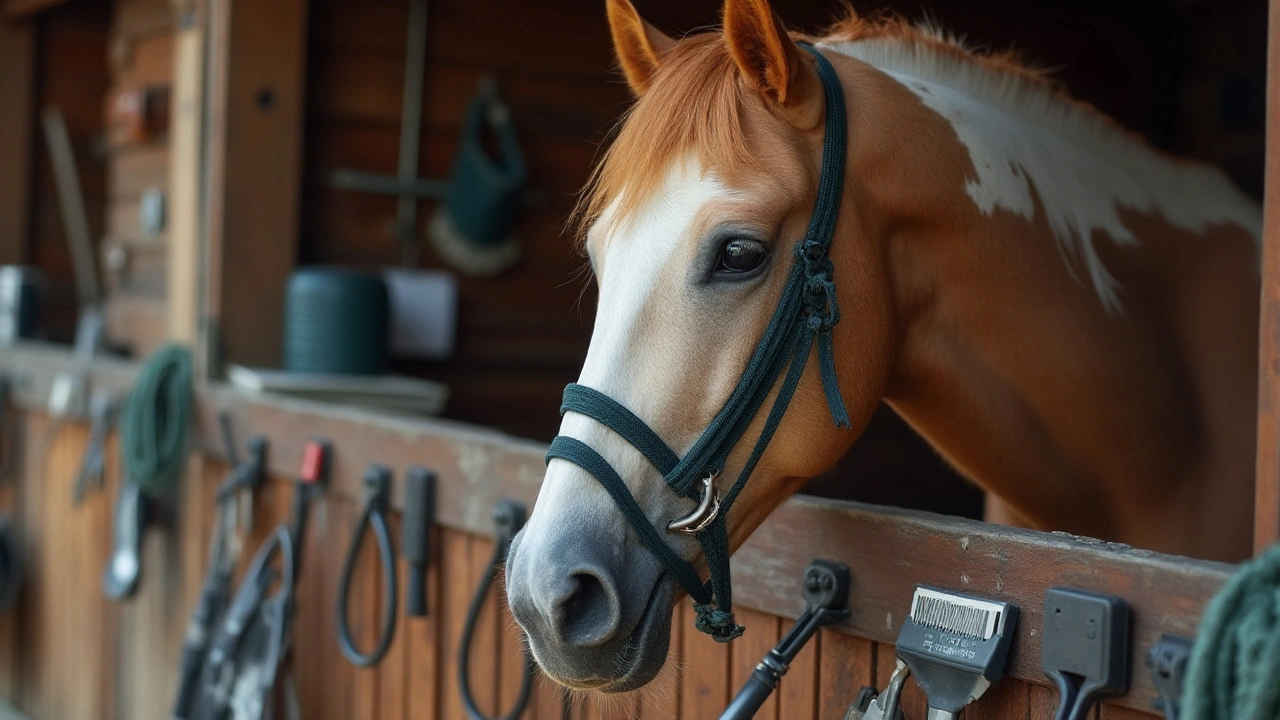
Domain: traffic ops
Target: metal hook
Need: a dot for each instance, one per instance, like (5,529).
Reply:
(707,511)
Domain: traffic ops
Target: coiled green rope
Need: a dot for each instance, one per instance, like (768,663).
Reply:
(1234,672)
(156,420)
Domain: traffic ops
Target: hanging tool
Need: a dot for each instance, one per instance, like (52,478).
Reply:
(871,705)
(1085,648)
(956,646)
(826,597)
(377,502)
(242,665)
(102,417)
(154,428)
(224,552)
(311,481)
(417,521)
(508,518)
(1168,660)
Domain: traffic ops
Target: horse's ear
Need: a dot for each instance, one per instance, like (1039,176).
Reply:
(765,54)
(639,45)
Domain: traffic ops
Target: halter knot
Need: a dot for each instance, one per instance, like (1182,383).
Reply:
(717,623)
(819,287)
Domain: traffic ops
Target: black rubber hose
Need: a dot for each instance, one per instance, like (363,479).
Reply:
(509,517)
(374,516)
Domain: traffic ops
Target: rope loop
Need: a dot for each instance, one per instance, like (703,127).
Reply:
(717,623)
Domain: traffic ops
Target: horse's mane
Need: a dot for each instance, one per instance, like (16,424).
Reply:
(694,104)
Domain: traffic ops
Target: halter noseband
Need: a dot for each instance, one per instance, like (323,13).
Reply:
(806,314)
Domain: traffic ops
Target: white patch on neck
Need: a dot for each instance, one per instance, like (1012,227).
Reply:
(1083,170)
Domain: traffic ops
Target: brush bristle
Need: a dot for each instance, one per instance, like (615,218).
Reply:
(956,614)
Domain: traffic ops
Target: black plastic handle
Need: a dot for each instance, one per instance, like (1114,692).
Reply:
(751,697)
(415,535)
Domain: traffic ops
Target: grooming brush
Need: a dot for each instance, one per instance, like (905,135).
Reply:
(956,646)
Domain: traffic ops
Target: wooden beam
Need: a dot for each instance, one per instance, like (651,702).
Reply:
(186,169)
(17,137)
(889,551)
(1266,528)
(17,9)
(257,56)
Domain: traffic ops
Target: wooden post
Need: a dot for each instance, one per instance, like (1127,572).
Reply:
(17,139)
(257,56)
(186,167)
(1267,519)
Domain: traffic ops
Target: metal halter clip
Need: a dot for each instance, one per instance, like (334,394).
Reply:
(707,511)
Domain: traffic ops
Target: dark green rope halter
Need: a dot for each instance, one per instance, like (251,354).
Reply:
(806,314)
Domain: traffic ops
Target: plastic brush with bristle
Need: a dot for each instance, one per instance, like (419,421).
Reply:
(956,646)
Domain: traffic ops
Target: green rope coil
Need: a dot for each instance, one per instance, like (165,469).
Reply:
(156,420)
(1234,672)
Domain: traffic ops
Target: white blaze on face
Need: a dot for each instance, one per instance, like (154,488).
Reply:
(1083,171)
(636,258)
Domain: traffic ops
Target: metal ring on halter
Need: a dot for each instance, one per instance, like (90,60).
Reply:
(706,513)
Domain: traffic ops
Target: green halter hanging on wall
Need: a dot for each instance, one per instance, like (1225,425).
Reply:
(472,227)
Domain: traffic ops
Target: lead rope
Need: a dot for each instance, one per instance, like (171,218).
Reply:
(806,315)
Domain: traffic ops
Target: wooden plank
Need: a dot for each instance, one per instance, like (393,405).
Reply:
(365,618)
(392,672)
(455,566)
(17,137)
(798,691)
(846,664)
(18,9)
(484,665)
(257,55)
(477,467)
(704,684)
(511,652)
(427,664)
(185,168)
(1267,507)
(333,520)
(745,653)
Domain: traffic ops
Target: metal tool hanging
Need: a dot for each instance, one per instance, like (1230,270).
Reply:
(1085,647)
(417,521)
(230,527)
(826,597)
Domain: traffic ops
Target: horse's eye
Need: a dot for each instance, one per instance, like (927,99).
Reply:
(740,256)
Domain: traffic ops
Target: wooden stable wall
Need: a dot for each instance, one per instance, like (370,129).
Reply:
(70,654)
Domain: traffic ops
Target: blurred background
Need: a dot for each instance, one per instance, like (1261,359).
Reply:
(327,81)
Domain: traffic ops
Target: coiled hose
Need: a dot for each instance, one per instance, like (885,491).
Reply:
(155,421)
(1234,673)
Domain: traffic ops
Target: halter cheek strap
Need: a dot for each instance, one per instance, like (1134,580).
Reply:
(806,315)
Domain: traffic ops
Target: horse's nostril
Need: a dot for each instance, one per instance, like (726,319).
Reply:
(590,615)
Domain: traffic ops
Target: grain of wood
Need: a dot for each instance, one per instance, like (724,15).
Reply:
(365,618)
(746,652)
(704,684)
(457,586)
(17,137)
(428,664)
(845,666)
(1005,700)
(394,670)
(798,691)
(1267,507)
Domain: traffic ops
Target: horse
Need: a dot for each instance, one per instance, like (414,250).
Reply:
(1067,315)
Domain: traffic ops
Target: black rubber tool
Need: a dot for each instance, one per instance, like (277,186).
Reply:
(826,597)
(1168,660)
(1086,648)
(377,484)
(415,535)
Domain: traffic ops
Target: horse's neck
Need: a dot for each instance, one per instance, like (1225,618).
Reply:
(1011,364)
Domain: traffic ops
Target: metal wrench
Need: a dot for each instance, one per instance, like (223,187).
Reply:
(102,413)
